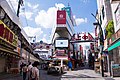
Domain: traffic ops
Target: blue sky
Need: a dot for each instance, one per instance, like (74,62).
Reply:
(38,18)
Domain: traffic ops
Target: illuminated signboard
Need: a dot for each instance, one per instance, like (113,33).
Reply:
(7,35)
(61,43)
(61,17)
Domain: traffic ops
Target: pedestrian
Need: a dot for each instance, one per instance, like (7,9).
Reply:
(70,65)
(29,70)
(24,71)
(21,68)
(35,71)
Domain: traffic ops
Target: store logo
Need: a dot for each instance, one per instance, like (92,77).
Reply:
(61,42)
(61,15)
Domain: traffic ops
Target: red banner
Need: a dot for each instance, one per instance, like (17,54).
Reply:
(1,30)
(6,36)
(61,17)
(11,37)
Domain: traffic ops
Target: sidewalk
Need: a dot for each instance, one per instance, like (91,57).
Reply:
(8,76)
(84,73)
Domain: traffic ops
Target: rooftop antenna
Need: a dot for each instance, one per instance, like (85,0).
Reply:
(68,4)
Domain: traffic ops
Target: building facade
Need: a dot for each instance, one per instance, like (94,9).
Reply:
(13,42)
(114,41)
(108,15)
(63,33)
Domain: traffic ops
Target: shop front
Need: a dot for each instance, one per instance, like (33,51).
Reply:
(8,43)
(114,54)
(8,60)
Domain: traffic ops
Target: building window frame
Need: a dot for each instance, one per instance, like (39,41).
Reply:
(117,14)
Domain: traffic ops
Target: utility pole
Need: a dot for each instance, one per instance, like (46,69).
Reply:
(20,2)
(101,38)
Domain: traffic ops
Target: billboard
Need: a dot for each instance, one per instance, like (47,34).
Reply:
(61,43)
(61,17)
(7,35)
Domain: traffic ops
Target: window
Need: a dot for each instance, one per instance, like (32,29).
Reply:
(117,14)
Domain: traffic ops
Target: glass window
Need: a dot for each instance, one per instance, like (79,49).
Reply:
(117,14)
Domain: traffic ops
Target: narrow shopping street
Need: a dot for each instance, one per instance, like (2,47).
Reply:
(60,39)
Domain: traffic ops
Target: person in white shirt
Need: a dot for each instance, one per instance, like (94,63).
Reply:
(35,71)
(29,70)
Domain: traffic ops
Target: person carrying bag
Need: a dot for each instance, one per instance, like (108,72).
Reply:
(35,71)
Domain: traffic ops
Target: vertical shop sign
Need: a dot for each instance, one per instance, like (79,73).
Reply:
(61,17)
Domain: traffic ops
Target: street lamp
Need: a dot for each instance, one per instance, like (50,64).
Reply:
(101,38)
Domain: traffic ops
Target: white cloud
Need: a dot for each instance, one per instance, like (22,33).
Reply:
(59,6)
(47,19)
(80,20)
(36,6)
(30,31)
(32,6)
(85,1)
(46,39)
(29,4)
(27,14)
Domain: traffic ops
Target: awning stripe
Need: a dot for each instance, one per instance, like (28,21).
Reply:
(114,45)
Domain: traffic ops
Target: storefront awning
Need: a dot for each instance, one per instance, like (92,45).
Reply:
(10,52)
(114,45)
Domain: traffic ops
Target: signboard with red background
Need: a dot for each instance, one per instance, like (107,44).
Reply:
(61,17)
(7,35)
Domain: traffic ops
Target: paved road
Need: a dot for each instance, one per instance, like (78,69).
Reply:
(85,74)
(78,74)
